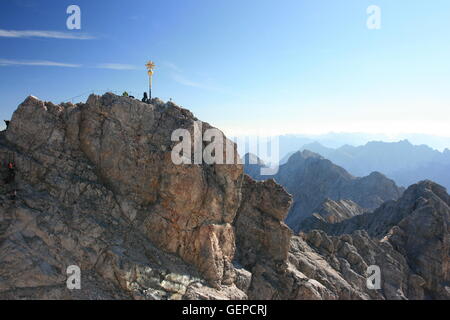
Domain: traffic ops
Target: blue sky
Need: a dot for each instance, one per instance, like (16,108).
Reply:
(272,67)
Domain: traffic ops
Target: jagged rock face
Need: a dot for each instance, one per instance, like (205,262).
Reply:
(313,266)
(96,186)
(192,206)
(339,264)
(261,234)
(332,264)
(312,179)
(417,227)
(282,266)
(423,237)
(413,255)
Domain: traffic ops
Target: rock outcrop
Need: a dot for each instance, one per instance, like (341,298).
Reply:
(409,242)
(95,187)
(415,230)
(260,232)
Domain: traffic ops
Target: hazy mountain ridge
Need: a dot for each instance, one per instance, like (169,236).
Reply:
(290,143)
(402,161)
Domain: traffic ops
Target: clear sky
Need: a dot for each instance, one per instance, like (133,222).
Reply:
(266,66)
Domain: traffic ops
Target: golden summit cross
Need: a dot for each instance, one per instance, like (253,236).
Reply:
(150,66)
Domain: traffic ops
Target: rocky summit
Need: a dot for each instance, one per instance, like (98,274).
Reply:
(93,185)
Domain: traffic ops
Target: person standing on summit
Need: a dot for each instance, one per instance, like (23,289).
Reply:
(145,98)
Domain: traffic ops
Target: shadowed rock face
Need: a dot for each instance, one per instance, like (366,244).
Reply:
(408,239)
(417,227)
(331,211)
(96,187)
(261,234)
(336,211)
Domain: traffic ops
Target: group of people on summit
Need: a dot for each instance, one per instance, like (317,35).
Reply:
(144,99)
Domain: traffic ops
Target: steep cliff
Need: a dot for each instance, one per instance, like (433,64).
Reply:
(95,186)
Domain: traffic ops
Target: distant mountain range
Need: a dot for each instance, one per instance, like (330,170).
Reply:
(312,180)
(293,142)
(402,161)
